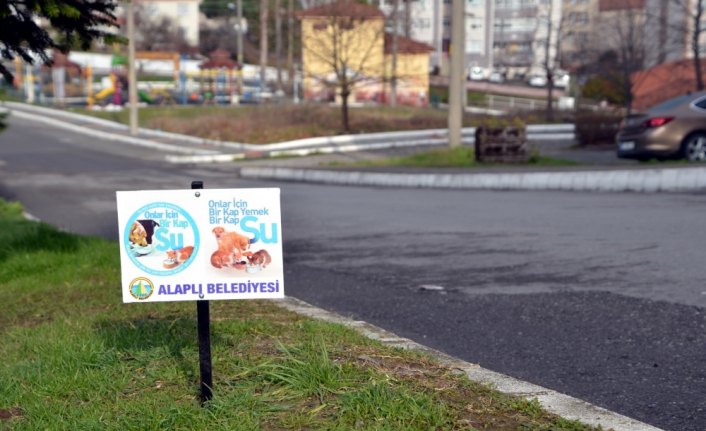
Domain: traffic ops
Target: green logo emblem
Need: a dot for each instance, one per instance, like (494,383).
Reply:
(141,288)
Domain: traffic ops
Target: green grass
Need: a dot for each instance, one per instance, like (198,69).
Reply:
(461,157)
(75,357)
(263,124)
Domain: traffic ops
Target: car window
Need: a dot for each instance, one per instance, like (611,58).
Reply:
(671,103)
(701,103)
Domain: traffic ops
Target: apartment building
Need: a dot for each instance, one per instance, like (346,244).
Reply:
(429,21)
(509,35)
(526,35)
(578,24)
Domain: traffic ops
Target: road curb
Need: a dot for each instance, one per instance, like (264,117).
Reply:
(636,180)
(109,136)
(560,404)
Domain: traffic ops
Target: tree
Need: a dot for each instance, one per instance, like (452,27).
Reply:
(264,12)
(223,36)
(694,12)
(551,21)
(342,48)
(158,33)
(71,23)
(622,43)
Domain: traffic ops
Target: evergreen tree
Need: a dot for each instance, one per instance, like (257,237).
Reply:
(30,27)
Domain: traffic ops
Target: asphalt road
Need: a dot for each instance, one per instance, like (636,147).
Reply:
(600,296)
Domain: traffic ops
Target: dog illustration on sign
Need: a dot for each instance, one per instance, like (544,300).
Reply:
(233,252)
(141,233)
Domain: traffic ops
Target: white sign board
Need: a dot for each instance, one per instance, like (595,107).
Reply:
(210,244)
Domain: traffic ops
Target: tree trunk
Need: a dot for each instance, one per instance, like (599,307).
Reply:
(695,47)
(407,19)
(393,72)
(345,122)
(278,42)
(264,6)
(627,89)
(550,96)
(548,66)
(290,44)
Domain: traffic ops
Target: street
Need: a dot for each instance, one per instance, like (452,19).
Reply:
(601,296)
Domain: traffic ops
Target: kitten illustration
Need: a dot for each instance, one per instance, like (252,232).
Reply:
(224,259)
(177,257)
(261,258)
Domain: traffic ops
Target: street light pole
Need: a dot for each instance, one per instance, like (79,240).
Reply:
(457,78)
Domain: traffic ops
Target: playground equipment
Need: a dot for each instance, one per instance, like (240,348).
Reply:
(118,86)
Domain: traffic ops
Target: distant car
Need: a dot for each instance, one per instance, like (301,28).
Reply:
(673,129)
(497,77)
(537,81)
(561,80)
(476,74)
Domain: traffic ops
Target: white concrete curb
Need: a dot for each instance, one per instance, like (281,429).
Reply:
(554,402)
(324,144)
(110,136)
(637,180)
(118,126)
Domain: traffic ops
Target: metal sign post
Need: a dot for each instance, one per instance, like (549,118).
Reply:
(203,314)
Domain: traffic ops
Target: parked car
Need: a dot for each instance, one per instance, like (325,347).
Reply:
(497,77)
(673,129)
(537,81)
(561,80)
(476,74)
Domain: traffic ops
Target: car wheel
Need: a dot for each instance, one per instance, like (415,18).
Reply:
(694,147)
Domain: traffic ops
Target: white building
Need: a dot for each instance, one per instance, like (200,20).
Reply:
(509,35)
(430,23)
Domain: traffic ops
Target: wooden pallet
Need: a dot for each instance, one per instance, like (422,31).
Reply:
(501,145)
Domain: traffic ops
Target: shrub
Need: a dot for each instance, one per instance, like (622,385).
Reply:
(596,128)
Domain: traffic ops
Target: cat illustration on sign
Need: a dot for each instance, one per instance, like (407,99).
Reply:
(177,257)
(258,260)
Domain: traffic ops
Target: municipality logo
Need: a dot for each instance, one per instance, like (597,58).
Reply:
(141,288)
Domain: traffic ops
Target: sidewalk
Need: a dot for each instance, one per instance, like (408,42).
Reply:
(309,169)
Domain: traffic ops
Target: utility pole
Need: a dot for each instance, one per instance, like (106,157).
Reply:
(393,78)
(131,74)
(457,79)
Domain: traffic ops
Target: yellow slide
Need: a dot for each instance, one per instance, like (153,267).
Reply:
(105,93)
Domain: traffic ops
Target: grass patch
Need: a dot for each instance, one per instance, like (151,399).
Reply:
(76,357)
(264,124)
(461,157)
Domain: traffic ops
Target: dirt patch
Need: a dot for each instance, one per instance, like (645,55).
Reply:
(7,414)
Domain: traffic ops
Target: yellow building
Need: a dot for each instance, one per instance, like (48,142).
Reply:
(345,52)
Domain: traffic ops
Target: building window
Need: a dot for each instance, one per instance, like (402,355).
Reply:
(474,46)
(183,9)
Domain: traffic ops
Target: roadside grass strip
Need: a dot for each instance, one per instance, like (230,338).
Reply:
(75,357)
